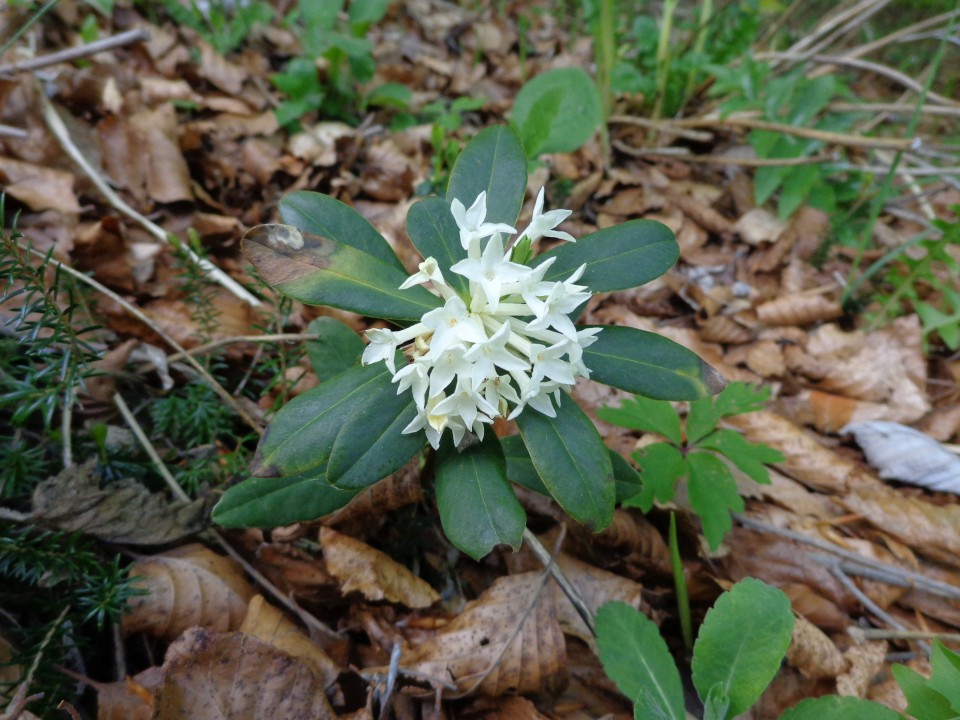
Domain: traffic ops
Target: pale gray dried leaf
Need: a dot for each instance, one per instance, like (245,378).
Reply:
(123,511)
(899,452)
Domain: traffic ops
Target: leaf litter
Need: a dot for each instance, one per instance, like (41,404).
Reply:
(190,140)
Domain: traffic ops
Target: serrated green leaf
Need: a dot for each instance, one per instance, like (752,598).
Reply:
(271,502)
(327,217)
(303,431)
(319,271)
(661,465)
(572,461)
(492,162)
(741,642)
(701,420)
(616,258)
(337,348)
(740,397)
(640,413)
(751,458)
(636,658)
(370,444)
(435,234)
(648,364)
(557,111)
(713,494)
(922,700)
(833,707)
(478,509)
(946,674)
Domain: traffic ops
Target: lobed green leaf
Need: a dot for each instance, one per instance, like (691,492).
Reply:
(661,465)
(751,458)
(640,413)
(713,494)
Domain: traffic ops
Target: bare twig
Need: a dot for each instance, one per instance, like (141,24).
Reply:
(13,515)
(146,320)
(66,426)
(14,132)
(902,33)
(148,447)
(548,562)
(18,703)
(893,107)
(861,635)
(684,155)
(280,337)
(75,53)
(59,130)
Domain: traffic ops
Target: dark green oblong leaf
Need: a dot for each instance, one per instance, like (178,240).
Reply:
(833,707)
(636,658)
(319,271)
(572,461)
(492,162)
(520,468)
(271,502)
(337,347)
(303,431)
(370,444)
(741,642)
(329,218)
(435,234)
(648,364)
(616,258)
(478,509)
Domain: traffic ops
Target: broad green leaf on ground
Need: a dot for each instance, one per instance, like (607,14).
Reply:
(742,641)
(616,258)
(492,162)
(751,458)
(572,461)
(435,234)
(833,707)
(636,658)
(701,420)
(303,431)
(270,502)
(319,271)
(478,509)
(946,674)
(640,413)
(661,465)
(370,444)
(922,700)
(651,365)
(337,348)
(713,494)
(520,467)
(328,218)
(557,111)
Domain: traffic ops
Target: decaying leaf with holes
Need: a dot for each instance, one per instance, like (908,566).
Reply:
(123,511)
(507,640)
(372,573)
(211,676)
(269,624)
(188,586)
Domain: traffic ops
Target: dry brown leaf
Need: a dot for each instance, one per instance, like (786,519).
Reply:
(190,585)
(226,75)
(813,653)
(212,676)
(766,359)
(372,573)
(125,699)
(759,226)
(511,708)
(10,673)
(725,330)
(865,661)
(398,490)
(265,622)
(508,640)
(167,176)
(121,511)
(798,309)
(37,187)
(931,530)
(294,571)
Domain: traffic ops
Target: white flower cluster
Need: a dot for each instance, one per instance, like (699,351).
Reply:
(508,345)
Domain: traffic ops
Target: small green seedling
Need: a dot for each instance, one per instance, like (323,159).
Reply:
(737,653)
(696,451)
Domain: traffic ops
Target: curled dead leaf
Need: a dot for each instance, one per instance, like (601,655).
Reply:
(798,310)
(865,662)
(725,330)
(813,653)
(37,187)
(374,574)
(211,676)
(508,640)
(185,587)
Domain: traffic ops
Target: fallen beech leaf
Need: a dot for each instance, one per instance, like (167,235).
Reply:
(514,708)
(122,511)
(269,624)
(483,650)
(395,491)
(188,586)
(10,673)
(37,187)
(213,676)
(813,653)
(798,310)
(725,330)
(758,226)
(865,662)
(899,452)
(125,699)
(167,176)
(931,530)
(372,573)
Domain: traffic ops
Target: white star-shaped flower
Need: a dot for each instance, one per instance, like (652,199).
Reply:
(543,223)
(473,227)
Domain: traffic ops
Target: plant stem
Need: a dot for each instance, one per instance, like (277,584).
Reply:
(680,582)
(605,53)
(663,55)
(706,14)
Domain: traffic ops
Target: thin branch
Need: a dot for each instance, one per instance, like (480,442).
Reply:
(548,562)
(75,53)
(904,32)
(684,155)
(66,426)
(148,447)
(59,130)
(14,515)
(213,345)
(13,132)
(893,107)
(149,322)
